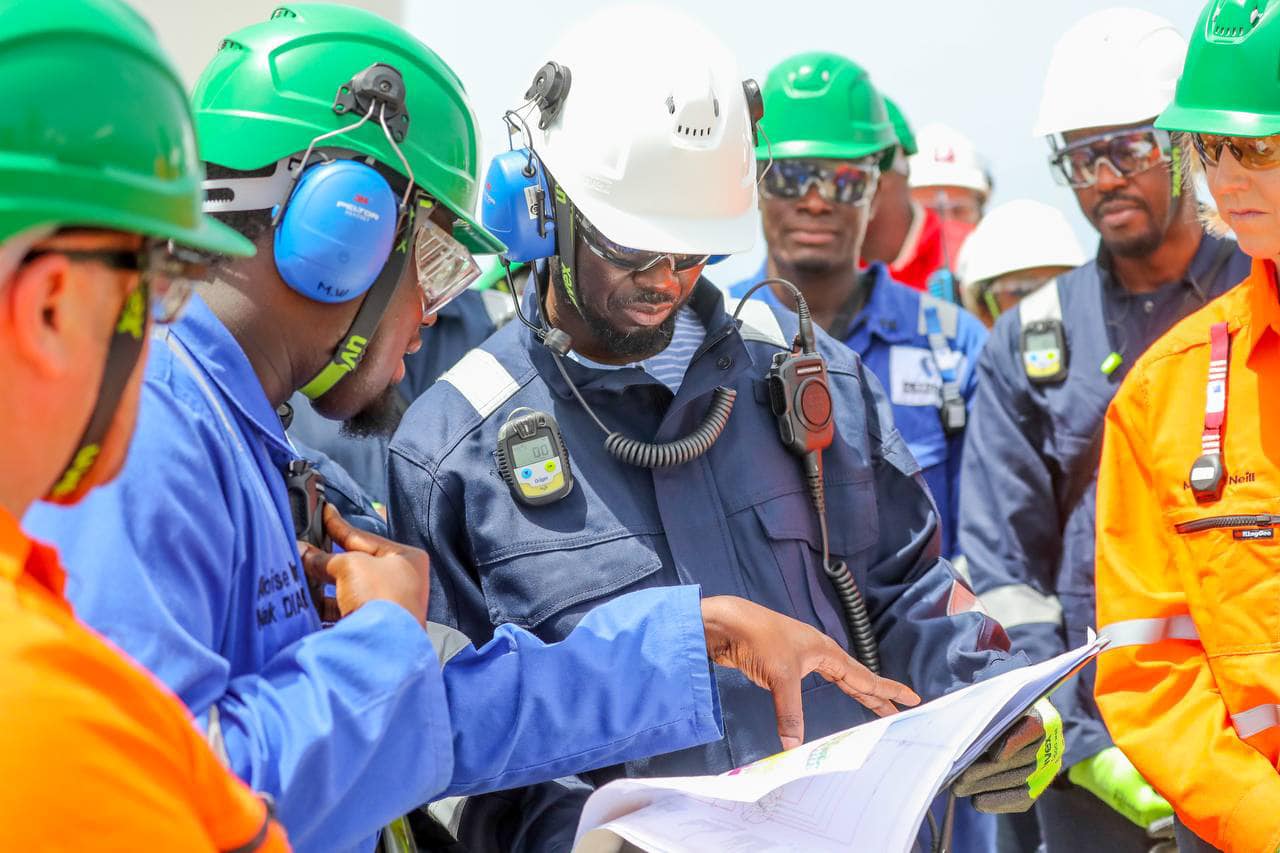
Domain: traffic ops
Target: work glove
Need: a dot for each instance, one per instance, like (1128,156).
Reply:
(1019,766)
(1112,778)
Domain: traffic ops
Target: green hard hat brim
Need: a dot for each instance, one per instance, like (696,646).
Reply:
(795,149)
(208,235)
(1222,122)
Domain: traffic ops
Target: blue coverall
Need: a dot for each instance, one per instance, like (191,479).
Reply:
(1028,488)
(460,325)
(890,333)
(189,563)
(737,520)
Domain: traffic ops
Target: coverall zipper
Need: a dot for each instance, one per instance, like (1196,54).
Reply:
(1220,521)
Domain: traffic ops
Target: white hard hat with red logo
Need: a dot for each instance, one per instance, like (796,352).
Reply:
(947,158)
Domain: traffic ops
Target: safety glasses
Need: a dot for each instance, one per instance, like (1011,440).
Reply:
(837,181)
(444,267)
(1126,153)
(1257,153)
(636,260)
(166,272)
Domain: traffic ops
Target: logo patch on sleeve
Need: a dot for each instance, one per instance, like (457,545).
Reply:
(1260,533)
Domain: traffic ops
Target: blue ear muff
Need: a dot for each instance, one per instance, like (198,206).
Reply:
(517,206)
(337,231)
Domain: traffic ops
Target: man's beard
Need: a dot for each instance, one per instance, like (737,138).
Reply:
(1139,245)
(379,419)
(636,345)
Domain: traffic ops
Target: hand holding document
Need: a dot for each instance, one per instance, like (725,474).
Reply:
(866,788)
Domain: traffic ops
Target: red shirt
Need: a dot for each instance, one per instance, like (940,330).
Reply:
(931,244)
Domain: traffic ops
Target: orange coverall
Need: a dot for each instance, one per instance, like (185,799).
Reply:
(95,753)
(1189,592)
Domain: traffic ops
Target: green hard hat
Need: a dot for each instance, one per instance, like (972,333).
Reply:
(822,105)
(901,130)
(272,88)
(96,130)
(1230,84)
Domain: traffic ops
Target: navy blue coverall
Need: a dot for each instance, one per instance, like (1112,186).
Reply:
(736,521)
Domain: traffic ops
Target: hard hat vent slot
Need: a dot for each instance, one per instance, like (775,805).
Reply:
(1234,19)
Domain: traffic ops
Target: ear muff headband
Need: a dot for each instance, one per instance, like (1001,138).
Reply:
(336,231)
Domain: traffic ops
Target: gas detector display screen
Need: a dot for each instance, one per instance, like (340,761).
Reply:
(1042,341)
(527,453)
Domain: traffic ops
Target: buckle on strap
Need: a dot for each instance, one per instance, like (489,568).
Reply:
(951,405)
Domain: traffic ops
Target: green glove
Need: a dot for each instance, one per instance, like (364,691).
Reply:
(1112,778)
(1019,766)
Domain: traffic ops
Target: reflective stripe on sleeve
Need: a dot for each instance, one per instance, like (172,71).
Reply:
(1019,604)
(1144,632)
(1256,720)
(483,380)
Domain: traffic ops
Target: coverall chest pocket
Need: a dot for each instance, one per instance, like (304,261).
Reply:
(791,565)
(1229,562)
(538,584)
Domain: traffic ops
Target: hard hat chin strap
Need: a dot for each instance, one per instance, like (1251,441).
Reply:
(122,357)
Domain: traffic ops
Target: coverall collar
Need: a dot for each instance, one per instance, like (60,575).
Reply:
(1196,274)
(888,313)
(19,556)
(707,302)
(219,354)
(1264,303)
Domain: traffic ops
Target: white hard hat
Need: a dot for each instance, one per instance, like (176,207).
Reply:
(947,158)
(653,141)
(1017,235)
(1115,67)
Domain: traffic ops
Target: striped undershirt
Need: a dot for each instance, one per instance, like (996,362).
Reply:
(668,366)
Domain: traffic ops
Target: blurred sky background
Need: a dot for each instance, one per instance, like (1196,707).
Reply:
(977,65)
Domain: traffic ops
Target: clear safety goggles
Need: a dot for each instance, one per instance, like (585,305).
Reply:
(837,181)
(166,273)
(443,266)
(1125,152)
(636,260)
(1256,153)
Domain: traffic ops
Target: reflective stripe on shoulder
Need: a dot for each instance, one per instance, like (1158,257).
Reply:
(1256,720)
(499,306)
(1019,604)
(759,323)
(1145,632)
(948,316)
(446,641)
(483,380)
(1041,305)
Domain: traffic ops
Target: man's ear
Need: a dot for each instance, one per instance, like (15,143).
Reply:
(37,313)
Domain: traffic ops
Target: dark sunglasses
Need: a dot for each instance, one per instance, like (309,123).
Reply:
(1126,152)
(1257,153)
(164,275)
(636,260)
(837,181)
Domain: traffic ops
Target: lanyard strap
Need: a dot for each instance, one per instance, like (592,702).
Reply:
(1208,474)
(950,402)
(1215,398)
